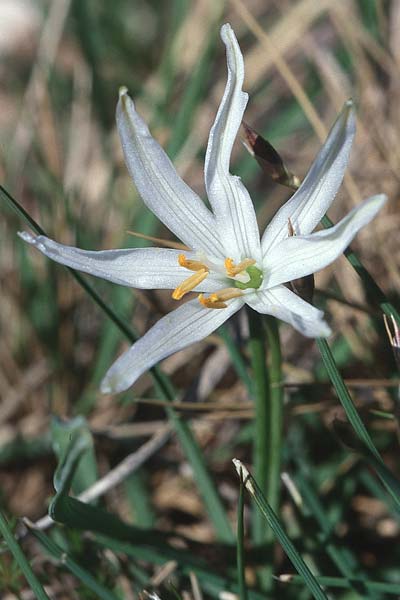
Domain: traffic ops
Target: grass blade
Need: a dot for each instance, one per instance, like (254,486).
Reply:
(387,478)
(19,556)
(273,521)
(240,545)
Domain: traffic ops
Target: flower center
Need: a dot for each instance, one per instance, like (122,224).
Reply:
(244,276)
(256,276)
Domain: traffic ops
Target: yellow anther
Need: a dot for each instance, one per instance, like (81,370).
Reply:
(218,299)
(208,303)
(192,265)
(232,269)
(189,284)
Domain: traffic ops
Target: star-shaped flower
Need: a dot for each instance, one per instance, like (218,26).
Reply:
(227,263)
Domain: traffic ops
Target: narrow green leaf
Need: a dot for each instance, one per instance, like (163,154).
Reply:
(273,521)
(19,556)
(387,478)
(339,582)
(240,545)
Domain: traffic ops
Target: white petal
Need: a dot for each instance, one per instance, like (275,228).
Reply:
(186,325)
(308,205)
(230,201)
(301,255)
(160,186)
(287,306)
(148,268)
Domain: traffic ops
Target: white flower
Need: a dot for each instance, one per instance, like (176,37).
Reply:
(227,262)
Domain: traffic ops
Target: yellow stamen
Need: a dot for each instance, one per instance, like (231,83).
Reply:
(218,299)
(189,284)
(192,265)
(232,269)
(166,243)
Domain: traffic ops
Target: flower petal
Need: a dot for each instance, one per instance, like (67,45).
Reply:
(148,268)
(308,205)
(298,256)
(287,306)
(186,325)
(160,186)
(230,201)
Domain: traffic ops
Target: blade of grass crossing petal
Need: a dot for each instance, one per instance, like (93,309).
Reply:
(20,558)
(73,567)
(210,495)
(240,560)
(372,288)
(296,559)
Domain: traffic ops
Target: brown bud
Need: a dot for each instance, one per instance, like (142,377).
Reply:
(268,158)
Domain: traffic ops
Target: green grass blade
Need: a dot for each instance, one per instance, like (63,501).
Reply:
(273,521)
(344,396)
(19,556)
(240,545)
(339,582)
(344,560)
(80,573)
(388,479)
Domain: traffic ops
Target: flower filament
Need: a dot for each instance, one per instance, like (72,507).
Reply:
(218,299)
(243,275)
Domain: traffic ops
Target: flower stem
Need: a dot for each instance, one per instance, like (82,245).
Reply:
(268,397)
(261,424)
(275,412)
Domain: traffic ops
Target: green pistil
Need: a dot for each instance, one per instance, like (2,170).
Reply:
(256,277)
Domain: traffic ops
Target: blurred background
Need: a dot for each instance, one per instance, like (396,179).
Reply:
(61,64)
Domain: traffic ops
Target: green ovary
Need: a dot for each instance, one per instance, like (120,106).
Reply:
(256,277)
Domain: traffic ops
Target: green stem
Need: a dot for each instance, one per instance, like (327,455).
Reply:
(275,412)
(240,546)
(268,397)
(262,415)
